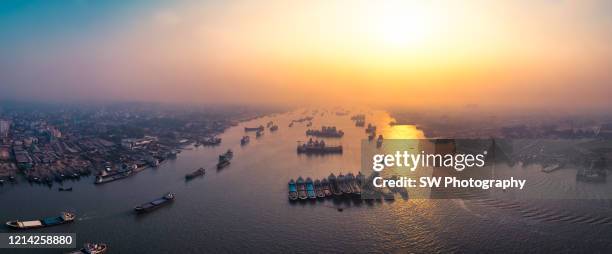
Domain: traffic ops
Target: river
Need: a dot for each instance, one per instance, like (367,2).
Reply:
(244,207)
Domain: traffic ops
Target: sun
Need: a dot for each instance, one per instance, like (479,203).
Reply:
(401,26)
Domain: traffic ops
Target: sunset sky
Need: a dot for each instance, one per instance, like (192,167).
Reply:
(549,53)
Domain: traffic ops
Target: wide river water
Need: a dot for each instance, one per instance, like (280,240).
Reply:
(244,207)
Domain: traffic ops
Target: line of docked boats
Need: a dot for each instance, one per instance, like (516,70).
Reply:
(326,131)
(317,147)
(341,186)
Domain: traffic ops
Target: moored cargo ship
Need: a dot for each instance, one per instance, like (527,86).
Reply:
(150,206)
(65,217)
(293,194)
(325,131)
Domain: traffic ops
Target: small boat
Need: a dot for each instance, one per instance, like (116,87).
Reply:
(310,189)
(245,140)
(92,248)
(12,178)
(65,217)
(301,188)
(274,128)
(150,206)
(258,134)
(291,124)
(309,124)
(64,189)
(194,174)
(325,187)
(333,185)
(293,194)
(319,189)
(270,123)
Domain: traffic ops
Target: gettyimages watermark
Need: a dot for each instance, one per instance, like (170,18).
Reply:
(486,168)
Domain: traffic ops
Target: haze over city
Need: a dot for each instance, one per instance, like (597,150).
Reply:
(553,54)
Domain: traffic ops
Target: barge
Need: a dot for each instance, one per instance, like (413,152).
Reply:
(150,206)
(194,174)
(224,159)
(64,218)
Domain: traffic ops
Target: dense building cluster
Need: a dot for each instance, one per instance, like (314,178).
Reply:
(45,144)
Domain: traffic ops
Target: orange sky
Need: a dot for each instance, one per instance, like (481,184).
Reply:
(540,53)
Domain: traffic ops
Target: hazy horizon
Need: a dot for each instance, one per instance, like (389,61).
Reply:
(509,54)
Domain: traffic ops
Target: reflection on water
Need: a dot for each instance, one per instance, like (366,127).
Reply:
(244,207)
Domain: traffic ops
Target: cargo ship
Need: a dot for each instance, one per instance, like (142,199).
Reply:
(92,248)
(319,189)
(65,217)
(352,183)
(325,187)
(150,206)
(224,159)
(194,174)
(293,195)
(342,183)
(301,188)
(259,128)
(333,185)
(325,131)
(310,189)
(245,140)
(317,147)
(117,175)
